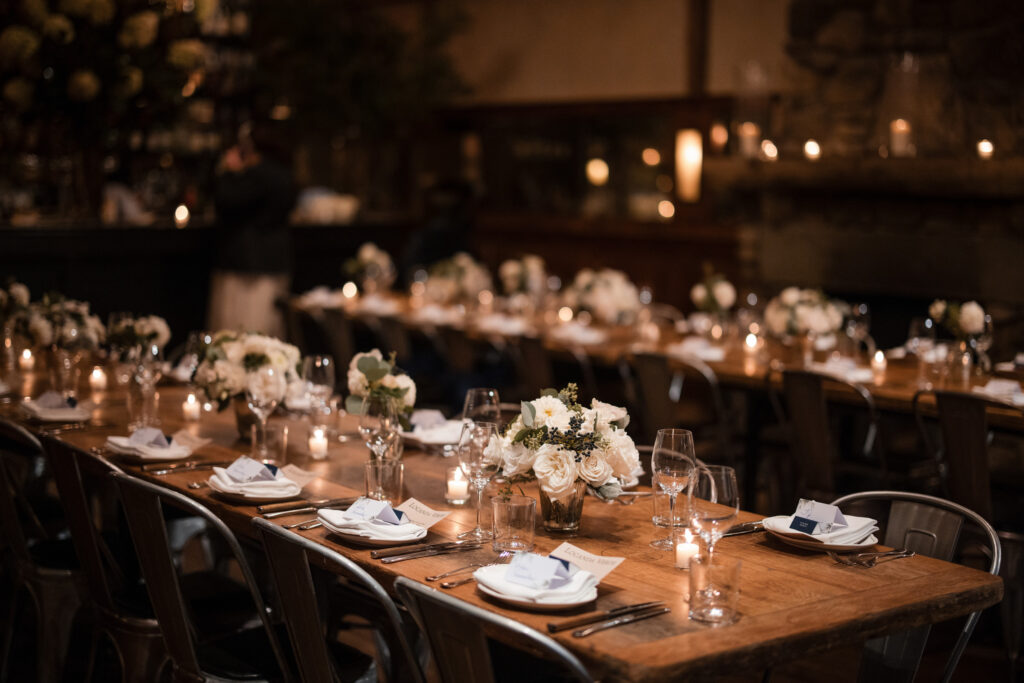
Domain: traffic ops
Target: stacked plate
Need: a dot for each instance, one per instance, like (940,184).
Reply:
(858,534)
(581,589)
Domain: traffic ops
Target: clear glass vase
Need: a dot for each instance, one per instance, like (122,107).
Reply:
(564,515)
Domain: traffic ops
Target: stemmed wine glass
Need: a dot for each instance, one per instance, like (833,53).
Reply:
(476,466)
(920,342)
(318,373)
(672,464)
(715,503)
(982,343)
(265,388)
(858,326)
(378,424)
(482,404)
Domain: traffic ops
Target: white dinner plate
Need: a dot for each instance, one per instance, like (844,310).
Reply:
(536,606)
(369,542)
(808,544)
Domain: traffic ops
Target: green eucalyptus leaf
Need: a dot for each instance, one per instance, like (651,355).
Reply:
(366,364)
(375,374)
(529,413)
(354,404)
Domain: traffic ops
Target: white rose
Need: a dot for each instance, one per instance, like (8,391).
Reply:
(622,456)
(556,471)
(516,459)
(698,294)
(724,293)
(550,412)
(595,470)
(19,293)
(790,296)
(972,318)
(266,385)
(402,382)
(937,310)
(605,413)
(41,330)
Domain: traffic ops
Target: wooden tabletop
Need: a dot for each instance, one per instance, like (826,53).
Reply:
(793,602)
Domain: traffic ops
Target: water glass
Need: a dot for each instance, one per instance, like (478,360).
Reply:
(672,462)
(143,406)
(482,404)
(515,519)
(275,444)
(714,589)
(318,372)
(383,480)
(715,503)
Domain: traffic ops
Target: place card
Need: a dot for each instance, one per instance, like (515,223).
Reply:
(813,517)
(598,565)
(298,475)
(420,514)
(245,470)
(148,436)
(377,510)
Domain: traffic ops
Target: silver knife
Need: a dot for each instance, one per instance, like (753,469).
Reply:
(391,552)
(429,553)
(194,466)
(744,528)
(297,511)
(602,616)
(619,621)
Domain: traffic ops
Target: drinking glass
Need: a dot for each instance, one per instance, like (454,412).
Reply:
(715,503)
(858,325)
(378,425)
(672,464)
(515,520)
(147,369)
(383,480)
(921,342)
(265,388)
(982,343)
(318,373)
(276,440)
(714,589)
(477,467)
(482,404)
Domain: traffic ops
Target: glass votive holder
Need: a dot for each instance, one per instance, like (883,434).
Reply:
(687,548)
(383,480)
(318,442)
(191,408)
(515,518)
(456,487)
(714,589)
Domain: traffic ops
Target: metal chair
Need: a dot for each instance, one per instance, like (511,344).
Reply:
(930,526)
(247,654)
(290,556)
(337,329)
(533,366)
(458,634)
(44,570)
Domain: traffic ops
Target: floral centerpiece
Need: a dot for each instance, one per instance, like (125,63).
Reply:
(526,275)
(371,376)
(963,321)
(226,361)
(132,332)
(567,448)
(459,278)
(14,302)
(714,294)
(372,267)
(607,294)
(798,311)
(61,323)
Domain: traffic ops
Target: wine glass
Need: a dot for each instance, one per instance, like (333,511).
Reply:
(318,373)
(265,388)
(982,343)
(858,325)
(715,503)
(378,424)
(476,466)
(921,342)
(482,404)
(673,463)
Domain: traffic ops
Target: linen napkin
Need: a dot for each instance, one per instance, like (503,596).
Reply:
(580,334)
(378,305)
(577,586)
(52,407)
(373,519)
(1003,390)
(438,315)
(697,347)
(252,479)
(425,419)
(844,368)
(497,323)
(857,529)
(447,432)
(150,443)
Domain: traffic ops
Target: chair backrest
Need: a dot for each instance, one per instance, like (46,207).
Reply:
(654,382)
(660,388)
(340,337)
(963,422)
(18,520)
(394,335)
(457,632)
(460,352)
(930,526)
(289,555)
(142,503)
(534,365)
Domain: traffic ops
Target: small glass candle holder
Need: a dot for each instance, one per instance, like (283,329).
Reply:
(191,408)
(456,489)
(97,379)
(686,549)
(318,443)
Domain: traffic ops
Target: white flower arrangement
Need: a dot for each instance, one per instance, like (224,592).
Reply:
(148,329)
(803,311)
(371,265)
(225,364)
(526,275)
(14,303)
(371,376)
(63,323)
(559,442)
(963,320)
(459,278)
(714,295)
(607,294)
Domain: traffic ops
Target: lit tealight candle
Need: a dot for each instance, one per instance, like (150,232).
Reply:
(985,149)
(97,379)
(812,150)
(899,138)
(457,487)
(878,363)
(26,361)
(349,290)
(565,314)
(191,408)
(749,139)
(318,444)
(686,550)
(750,344)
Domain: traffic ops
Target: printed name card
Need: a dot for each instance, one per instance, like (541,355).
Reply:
(812,517)
(376,510)
(598,565)
(418,513)
(148,436)
(245,470)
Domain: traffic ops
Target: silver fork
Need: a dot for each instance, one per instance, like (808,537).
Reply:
(435,577)
(869,559)
(504,557)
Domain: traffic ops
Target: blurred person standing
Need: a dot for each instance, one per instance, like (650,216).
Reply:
(254,196)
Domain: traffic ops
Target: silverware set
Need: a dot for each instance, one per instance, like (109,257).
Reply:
(158,469)
(870,559)
(610,618)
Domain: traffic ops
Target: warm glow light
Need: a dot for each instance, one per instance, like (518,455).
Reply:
(666,209)
(417,289)
(485,297)
(812,150)
(689,159)
(751,341)
(985,149)
(565,314)
(750,138)
(651,156)
(597,172)
(318,433)
(181,216)
(349,290)
(769,150)
(900,144)
(719,136)
(281,112)
(26,361)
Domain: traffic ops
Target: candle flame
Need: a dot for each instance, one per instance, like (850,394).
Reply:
(191,398)
(349,290)
(97,372)
(879,356)
(458,474)
(26,354)
(688,536)
(565,314)
(318,434)
(751,341)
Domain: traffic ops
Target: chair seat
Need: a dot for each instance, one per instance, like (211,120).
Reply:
(58,554)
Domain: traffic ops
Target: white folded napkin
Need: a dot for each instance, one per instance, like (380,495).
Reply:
(501,324)
(697,347)
(857,529)
(844,368)
(51,407)
(343,522)
(580,334)
(896,353)
(439,315)
(426,418)
(182,373)
(447,432)
(581,587)
(150,443)
(278,487)
(379,305)
(1002,389)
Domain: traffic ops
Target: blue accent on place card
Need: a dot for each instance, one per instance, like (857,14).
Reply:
(565,563)
(803,524)
(273,469)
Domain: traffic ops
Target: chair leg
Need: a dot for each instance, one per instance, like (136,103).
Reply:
(12,615)
(57,603)
(142,656)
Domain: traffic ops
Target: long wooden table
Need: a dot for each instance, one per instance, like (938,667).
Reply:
(793,602)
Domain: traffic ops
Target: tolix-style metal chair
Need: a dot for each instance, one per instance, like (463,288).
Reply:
(358,593)
(252,653)
(929,526)
(458,636)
